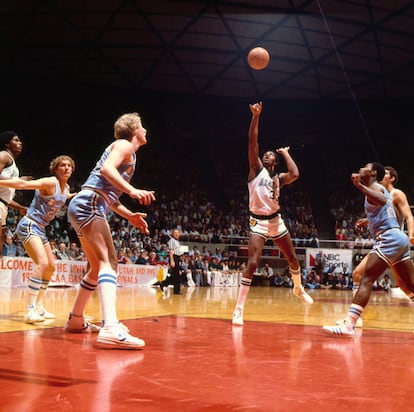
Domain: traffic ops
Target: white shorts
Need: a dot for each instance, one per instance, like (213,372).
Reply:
(4,210)
(274,228)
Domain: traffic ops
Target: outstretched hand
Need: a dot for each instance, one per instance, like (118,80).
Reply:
(281,150)
(137,219)
(256,108)
(144,197)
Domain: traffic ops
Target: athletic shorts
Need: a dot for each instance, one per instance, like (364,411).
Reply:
(268,228)
(27,228)
(85,207)
(4,210)
(392,246)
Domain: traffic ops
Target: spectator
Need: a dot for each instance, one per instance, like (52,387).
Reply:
(9,247)
(312,280)
(143,258)
(198,270)
(214,267)
(152,258)
(53,247)
(385,283)
(74,252)
(267,273)
(61,253)
(278,280)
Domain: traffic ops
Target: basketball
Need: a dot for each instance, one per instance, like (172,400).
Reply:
(258,58)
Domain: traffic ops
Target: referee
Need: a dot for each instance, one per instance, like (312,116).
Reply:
(175,252)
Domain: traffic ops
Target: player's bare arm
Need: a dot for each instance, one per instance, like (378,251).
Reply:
(293,172)
(373,191)
(255,164)
(121,152)
(401,202)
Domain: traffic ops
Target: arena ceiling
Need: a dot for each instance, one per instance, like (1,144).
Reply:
(319,48)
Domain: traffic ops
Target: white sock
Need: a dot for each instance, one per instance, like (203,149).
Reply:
(244,288)
(107,282)
(354,312)
(34,285)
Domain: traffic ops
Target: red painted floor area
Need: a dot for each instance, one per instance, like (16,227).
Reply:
(193,364)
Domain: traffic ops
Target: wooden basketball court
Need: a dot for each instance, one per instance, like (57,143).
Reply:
(195,360)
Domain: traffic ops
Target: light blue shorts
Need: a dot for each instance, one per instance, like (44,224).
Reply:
(27,228)
(392,246)
(85,207)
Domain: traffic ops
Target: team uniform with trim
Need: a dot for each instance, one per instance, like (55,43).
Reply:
(391,243)
(265,219)
(40,213)
(7,194)
(97,194)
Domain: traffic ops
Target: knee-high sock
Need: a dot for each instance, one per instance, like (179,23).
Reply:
(244,288)
(34,289)
(87,286)
(42,291)
(107,294)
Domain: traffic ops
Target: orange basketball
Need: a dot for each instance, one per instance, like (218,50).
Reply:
(258,58)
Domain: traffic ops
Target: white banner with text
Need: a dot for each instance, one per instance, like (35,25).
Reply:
(332,260)
(16,271)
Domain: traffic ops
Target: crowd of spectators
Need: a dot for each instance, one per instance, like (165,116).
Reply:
(212,211)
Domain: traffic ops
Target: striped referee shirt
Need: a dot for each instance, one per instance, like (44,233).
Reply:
(174,245)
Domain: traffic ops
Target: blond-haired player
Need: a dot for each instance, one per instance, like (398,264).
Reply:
(87,213)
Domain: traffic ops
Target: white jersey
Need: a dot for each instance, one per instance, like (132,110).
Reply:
(9,172)
(264,192)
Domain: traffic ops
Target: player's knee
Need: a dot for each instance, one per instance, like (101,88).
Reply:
(356,276)
(252,266)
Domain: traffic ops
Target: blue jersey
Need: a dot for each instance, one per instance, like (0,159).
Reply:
(43,209)
(381,218)
(97,182)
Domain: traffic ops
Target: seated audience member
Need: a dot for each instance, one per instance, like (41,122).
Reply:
(278,280)
(186,270)
(122,258)
(142,258)
(9,247)
(385,283)
(152,258)
(267,272)
(74,252)
(328,281)
(341,281)
(61,252)
(287,279)
(198,269)
(312,280)
(266,275)
(163,255)
(214,266)
(205,277)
